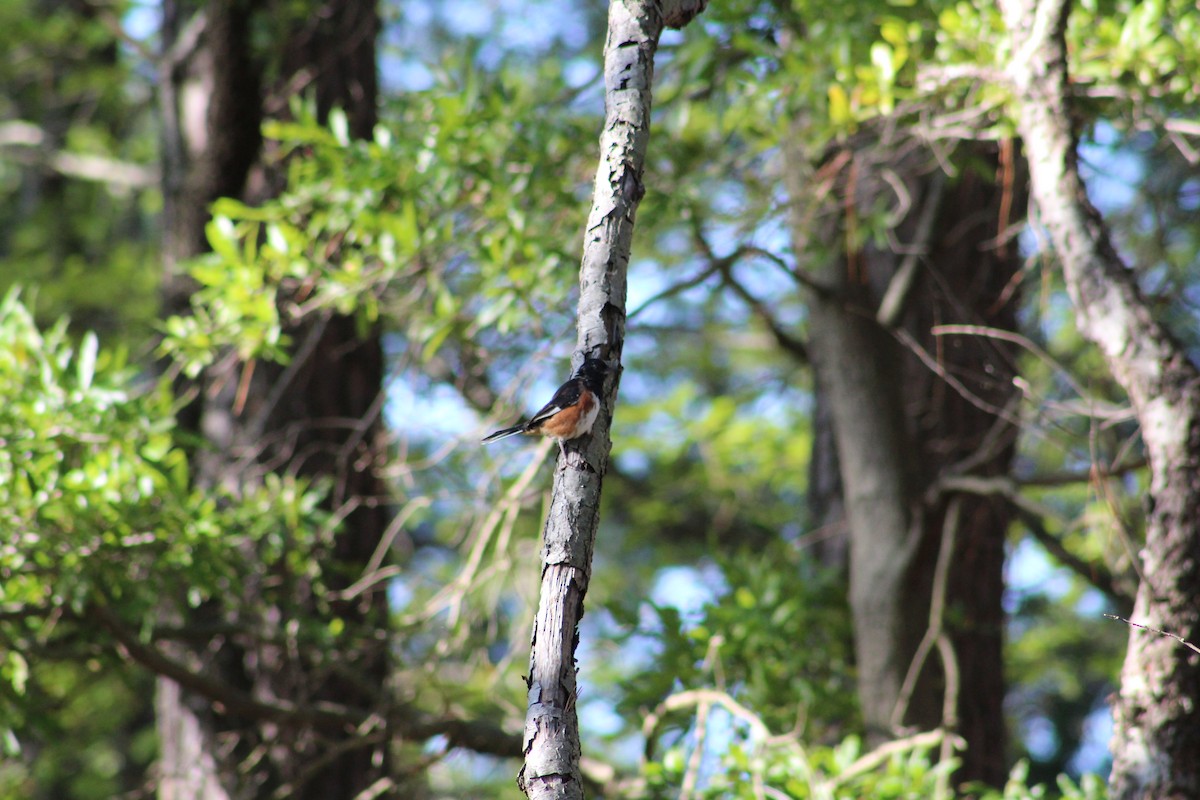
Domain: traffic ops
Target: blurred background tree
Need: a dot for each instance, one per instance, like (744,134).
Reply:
(868,480)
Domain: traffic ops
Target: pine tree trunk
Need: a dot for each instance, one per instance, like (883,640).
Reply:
(325,423)
(899,424)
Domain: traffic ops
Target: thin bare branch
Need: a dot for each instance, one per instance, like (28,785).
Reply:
(892,306)
(937,610)
(1174,636)
(880,755)
(677,288)
(402,722)
(929,361)
(724,265)
(1033,515)
(29,144)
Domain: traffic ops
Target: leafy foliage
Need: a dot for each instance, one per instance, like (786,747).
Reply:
(96,494)
(68,97)
(454,230)
(440,227)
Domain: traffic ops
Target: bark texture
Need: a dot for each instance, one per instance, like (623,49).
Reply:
(210,106)
(959,397)
(551,738)
(212,114)
(906,408)
(1156,715)
(318,417)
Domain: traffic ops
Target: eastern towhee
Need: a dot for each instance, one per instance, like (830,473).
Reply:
(570,413)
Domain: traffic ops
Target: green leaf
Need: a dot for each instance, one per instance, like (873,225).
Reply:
(222,238)
(16,670)
(86,365)
(340,126)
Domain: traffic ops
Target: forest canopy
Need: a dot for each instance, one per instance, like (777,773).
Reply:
(902,497)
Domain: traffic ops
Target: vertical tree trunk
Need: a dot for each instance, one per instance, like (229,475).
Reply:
(966,424)
(857,367)
(1156,716)
(210,104)
(187,767)
(551,739)
(343,379)
(325,422)
(899,424)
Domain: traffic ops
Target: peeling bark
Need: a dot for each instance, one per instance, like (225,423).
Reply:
(1156,736)
(551,741)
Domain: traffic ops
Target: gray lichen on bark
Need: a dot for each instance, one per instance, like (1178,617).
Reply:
(551,739)
(1156,715)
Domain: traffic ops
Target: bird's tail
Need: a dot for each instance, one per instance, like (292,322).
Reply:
(504,432)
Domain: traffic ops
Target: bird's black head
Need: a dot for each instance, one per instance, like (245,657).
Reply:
(592,371)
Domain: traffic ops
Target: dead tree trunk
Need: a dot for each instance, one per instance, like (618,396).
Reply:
(551,741)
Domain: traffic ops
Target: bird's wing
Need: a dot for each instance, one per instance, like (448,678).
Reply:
(566,396)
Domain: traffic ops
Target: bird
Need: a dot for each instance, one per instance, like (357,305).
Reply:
(571,412)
